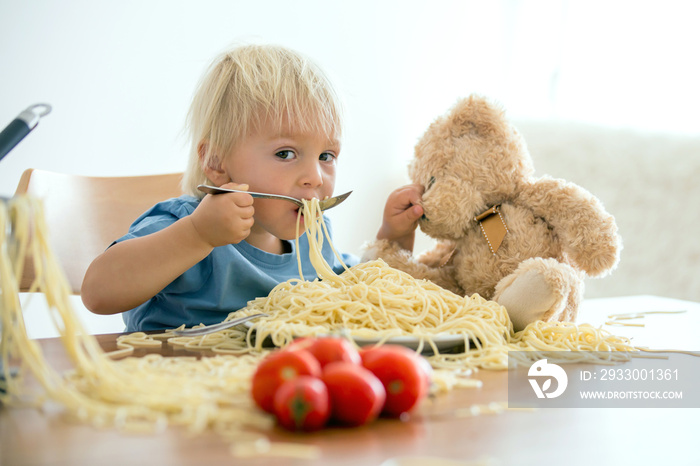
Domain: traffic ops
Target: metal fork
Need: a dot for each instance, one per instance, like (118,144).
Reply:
(193,332)
(324,203)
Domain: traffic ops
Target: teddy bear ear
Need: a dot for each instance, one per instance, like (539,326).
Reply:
(477,116)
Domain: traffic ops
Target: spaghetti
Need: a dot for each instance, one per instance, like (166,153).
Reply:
(132,394)
(137,394)
(373,300)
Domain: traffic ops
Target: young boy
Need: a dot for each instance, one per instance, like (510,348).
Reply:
(264,119)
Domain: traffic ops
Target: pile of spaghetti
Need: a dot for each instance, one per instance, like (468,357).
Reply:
(374,302)
(134,394)
(369,300)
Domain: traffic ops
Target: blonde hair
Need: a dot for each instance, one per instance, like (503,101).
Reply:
(247,86)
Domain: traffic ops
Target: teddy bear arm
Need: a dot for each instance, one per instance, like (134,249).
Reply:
(439,255)
(587,233)
(398,258)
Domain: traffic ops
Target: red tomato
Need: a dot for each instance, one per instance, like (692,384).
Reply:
(302,404)
(404,374)
(357,396)
(300,343)
(332,349)
(276,369)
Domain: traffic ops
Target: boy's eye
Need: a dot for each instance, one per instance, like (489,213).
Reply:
(285,154)
(326,157)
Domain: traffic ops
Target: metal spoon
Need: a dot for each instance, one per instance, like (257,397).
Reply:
(324,203)
(193,332)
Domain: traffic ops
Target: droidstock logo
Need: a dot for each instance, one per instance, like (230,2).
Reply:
(547,371)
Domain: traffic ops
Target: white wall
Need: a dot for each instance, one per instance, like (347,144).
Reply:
(120,74)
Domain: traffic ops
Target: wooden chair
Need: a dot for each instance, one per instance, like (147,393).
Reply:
(86,214)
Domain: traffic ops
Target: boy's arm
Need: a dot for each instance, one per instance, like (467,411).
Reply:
(401,214)
(133,271)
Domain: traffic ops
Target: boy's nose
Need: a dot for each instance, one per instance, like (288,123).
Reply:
(312,175)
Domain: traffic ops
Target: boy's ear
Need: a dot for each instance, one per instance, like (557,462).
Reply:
(211,165)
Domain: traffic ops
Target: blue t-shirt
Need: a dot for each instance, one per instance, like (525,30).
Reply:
(221,283)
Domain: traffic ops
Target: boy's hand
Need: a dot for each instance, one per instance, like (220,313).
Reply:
(222,219)
(401,214)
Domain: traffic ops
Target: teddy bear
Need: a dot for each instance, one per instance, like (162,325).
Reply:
(525,242)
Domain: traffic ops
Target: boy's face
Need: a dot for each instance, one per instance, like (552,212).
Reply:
(291,163)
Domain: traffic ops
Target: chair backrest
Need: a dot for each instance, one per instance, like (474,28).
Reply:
(85,214)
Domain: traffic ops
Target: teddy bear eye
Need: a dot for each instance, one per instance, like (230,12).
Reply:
(430,183)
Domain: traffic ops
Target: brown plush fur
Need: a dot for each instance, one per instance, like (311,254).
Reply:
(472,159)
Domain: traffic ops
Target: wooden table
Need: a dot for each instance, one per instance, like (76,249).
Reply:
(545,436)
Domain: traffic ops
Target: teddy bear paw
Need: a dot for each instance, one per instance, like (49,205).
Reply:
(528,298)
(540,289)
